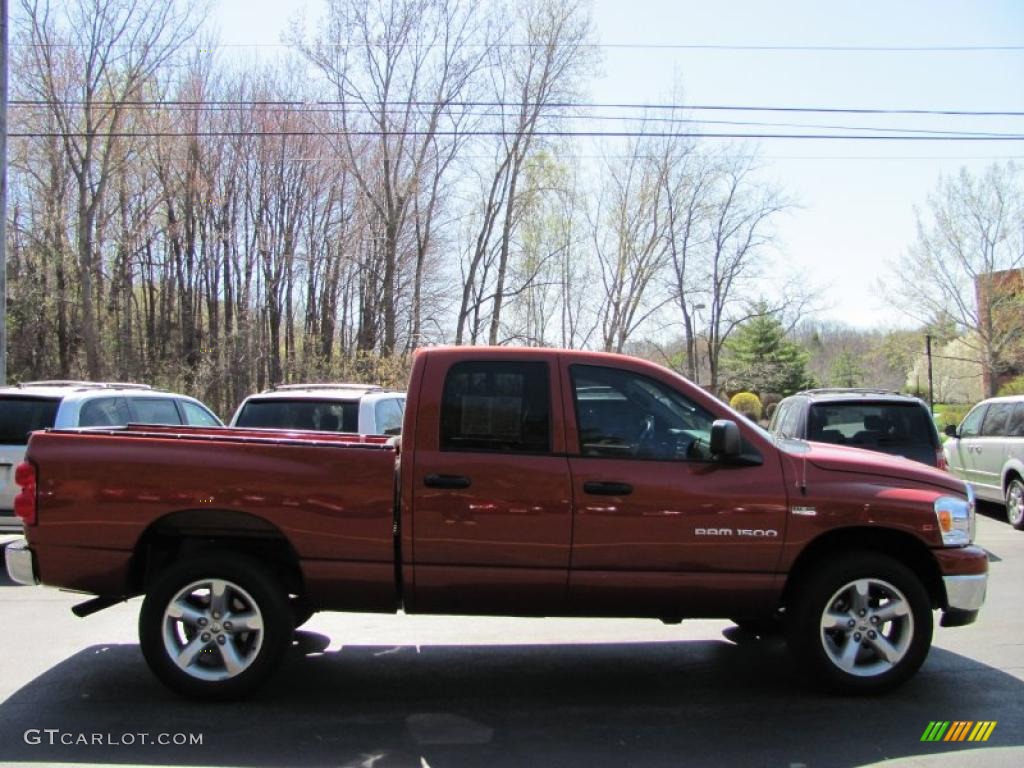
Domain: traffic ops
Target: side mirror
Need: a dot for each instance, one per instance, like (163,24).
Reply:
(725,439)
(950,430)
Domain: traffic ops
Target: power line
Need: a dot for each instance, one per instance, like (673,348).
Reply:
(510,105)
(546,134)
(194,109)
(613,46)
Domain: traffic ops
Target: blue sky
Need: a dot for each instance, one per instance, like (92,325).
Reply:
(856,198)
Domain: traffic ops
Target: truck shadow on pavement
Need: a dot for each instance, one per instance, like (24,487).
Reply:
(707,702)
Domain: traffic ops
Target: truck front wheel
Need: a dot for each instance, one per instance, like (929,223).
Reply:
(214,626)
(861,623)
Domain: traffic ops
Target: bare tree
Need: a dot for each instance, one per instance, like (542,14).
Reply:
(629,226)
(969,243)
(532,80)
(91,58)
(399,67)
(741,211)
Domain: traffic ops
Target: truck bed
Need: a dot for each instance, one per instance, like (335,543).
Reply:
(331,496)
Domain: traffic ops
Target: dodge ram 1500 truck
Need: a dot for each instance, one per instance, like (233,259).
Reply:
(527,482)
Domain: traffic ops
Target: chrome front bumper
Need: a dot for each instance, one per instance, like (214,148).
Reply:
(20,565)
(966,593)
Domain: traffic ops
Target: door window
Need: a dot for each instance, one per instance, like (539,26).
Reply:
(789,425)
(777,418)
(104,412)
(1016,425)
(628,415)
(996,420)
(971,425)
(496,406)
(198,416)
(154,410)
(388,415)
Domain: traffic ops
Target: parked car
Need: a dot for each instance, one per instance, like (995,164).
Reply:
(987,450)
(529,482)
(42,404)
(873,419)
(357,408)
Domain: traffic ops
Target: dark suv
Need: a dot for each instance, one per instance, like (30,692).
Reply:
(873,419)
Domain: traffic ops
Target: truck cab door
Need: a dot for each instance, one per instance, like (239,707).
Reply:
(660,527)
(491,515)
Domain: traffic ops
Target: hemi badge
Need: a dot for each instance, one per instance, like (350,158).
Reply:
(805,511)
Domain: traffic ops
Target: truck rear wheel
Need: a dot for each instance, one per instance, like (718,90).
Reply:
(215,626)
(861,624)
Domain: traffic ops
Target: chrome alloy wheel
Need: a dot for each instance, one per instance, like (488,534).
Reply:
(1015,503)
(867,627)
(212,629)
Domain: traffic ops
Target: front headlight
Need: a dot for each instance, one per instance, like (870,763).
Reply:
(956,519)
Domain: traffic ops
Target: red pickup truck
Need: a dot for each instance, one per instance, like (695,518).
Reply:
(526,482)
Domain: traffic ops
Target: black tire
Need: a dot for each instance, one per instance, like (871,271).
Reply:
(302,611)
(1015,503)
(850,658)
(249,632)
(768,626)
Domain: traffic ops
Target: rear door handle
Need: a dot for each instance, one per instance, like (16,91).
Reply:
(451,482)
(607,489)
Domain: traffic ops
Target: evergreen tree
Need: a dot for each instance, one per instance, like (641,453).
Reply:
(760,358)
(847,370)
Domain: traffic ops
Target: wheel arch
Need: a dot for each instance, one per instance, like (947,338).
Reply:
(191,531)
(900,545)
(1013,470)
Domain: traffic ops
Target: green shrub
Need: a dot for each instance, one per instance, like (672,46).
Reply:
(748,404)
(1013,387)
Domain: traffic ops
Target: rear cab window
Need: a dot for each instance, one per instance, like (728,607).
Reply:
(300,414)
(20,416)
(496,406)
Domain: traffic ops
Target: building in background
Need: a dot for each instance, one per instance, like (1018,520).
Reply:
(1001,296)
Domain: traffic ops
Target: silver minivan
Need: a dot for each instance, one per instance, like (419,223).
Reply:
(987,450)
(34,405)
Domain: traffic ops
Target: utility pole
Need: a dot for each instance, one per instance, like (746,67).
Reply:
(3,192)
(931,390)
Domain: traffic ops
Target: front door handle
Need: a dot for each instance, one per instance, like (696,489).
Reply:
(607,489)
(450,482)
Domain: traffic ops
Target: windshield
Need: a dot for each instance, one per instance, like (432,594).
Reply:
(19,416)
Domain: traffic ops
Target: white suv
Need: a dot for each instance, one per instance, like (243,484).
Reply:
(358,408)
(60,404)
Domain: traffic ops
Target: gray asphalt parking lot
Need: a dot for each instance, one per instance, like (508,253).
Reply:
(387,691)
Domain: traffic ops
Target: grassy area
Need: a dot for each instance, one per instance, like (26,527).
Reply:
(949,413)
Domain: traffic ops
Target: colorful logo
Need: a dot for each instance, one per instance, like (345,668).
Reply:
(958,730)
